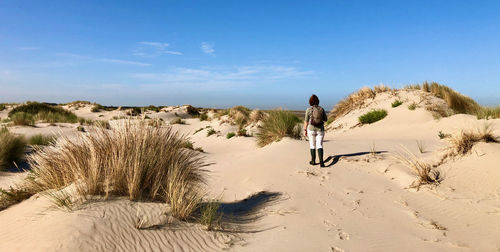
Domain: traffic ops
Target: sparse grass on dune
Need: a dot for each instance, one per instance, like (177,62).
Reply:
(240,115)
(178,120)
(278,124)
(100,123)
(2,106)
(11,148)
(459,103)
(373,116)
(396,103)
(462,143)
(423,171)
(456,102)
(134,160)
(356,100)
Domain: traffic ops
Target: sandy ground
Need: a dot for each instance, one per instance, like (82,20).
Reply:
(360,202)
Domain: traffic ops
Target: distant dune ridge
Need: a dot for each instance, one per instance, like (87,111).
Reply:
(410,169)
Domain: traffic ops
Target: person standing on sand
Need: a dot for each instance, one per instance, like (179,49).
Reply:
(314,128)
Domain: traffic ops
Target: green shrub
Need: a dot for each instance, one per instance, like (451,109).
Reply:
(373,116)
(152,108)
(396,103)
(211,132)
(22,118)
(11,148)
(230,134)
(412,106)
(192,110)
(40,140)
(135,111)
(203,117)
(2,106)
(96,108)
(278,124)
(242,132)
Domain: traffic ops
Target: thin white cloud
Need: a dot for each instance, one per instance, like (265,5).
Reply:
(207,48)
(105,60)
(153,49)
(217,76)
(126,62)
(28,48)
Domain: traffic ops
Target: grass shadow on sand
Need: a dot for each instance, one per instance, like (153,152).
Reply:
(335,158)
(238,216)
(22,165)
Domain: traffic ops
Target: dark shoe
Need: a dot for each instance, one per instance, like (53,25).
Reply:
(320,154)
(313,157)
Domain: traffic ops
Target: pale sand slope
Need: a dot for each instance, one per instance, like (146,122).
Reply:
(361,203)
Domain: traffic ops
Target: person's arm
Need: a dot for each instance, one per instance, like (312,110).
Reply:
(306,122)
(325,117)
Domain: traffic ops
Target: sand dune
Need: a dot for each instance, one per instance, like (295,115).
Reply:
(360,202)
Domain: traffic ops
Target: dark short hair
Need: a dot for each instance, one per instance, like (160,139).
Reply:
(313,100)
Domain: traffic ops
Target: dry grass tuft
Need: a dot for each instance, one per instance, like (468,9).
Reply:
(354,101)
(257,115)
(240,115)
(278,124)
(13,196)
(459,103)
(462,143)
(210,214)
(134,160)
(423,171)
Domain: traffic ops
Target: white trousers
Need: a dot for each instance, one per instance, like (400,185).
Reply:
(315,139)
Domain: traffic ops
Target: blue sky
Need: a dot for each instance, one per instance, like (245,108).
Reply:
(256,53)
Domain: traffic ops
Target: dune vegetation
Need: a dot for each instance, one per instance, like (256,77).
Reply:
(123,162)
(462,143)
(278,124)
(40,139)
(458,103)
(356,100)
(373,116)
(11,148)
(42,111)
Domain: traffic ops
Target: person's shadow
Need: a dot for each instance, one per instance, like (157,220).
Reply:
(335,158)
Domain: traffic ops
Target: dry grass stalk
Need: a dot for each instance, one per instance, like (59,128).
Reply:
(134,160)
(257,115)
(423,171)
(421,146)
(354,101)
(462,143)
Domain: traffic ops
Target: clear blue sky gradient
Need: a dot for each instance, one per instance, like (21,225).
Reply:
(256,53)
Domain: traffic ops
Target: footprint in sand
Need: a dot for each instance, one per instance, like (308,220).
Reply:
(336,249)
(343,235)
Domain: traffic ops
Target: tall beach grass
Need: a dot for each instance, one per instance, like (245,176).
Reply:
(133,160)
(278,124)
